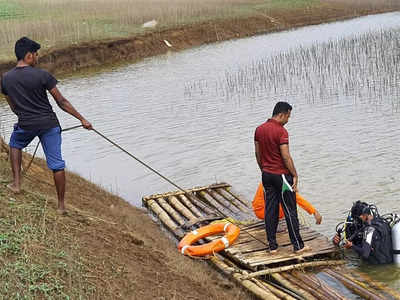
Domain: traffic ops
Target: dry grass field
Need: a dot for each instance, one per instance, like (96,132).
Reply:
(62,23)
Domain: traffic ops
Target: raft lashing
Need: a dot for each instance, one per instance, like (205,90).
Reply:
(317,274)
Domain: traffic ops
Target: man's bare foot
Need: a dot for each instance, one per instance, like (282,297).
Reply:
(13,188)
(62,212)
(304,249)
(273,251)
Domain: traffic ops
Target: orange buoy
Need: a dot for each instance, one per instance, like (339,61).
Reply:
(231,235)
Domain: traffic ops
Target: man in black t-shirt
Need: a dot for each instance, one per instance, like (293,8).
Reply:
(25,88)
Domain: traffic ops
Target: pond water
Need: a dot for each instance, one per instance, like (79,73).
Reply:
(191,115)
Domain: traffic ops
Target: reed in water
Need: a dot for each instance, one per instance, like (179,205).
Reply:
(361,70)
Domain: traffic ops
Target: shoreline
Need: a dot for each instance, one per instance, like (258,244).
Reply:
(105,53)
(104,248)
(109,248)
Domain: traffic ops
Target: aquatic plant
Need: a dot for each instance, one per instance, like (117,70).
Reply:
(361,70)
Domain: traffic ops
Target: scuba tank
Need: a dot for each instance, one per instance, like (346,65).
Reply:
(394,222)
(396,243)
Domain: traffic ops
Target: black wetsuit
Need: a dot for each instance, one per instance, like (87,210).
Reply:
(376,244)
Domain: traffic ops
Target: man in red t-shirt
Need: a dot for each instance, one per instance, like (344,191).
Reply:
(279,176)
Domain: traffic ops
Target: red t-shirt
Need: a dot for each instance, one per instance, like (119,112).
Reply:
(270,136)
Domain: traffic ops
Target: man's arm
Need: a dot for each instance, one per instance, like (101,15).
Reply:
(307,206)
(365,249)
(257,149)
(288,161)
(66,106)
(11,104)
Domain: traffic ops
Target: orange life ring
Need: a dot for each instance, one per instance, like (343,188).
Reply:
(231,234)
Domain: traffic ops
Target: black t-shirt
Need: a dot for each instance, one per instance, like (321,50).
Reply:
(27,88)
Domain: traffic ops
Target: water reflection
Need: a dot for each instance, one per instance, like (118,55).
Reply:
(389,274)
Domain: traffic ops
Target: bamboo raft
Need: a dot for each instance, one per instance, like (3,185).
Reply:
(317,274)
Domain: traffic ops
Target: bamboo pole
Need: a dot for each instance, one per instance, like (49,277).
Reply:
(193,190)
(231,266)
(263,293)
(264,286)
(181,208)
(222,266)
(190,205)
(255,226)
(362,284)
(365,294)
(277,292)
(295,289)
(199,203)
(228,197)
(316,283)
(248,284)
(218,197)
(285,290)
(197,221)
(172,212)
(232,206)
(164,218)
(380,286)
(214,203)
(297,266)
(226,190)
(318,294)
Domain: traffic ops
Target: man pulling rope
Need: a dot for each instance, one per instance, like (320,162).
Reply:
(25,88)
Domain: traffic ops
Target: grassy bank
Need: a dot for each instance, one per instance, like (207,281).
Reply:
(61,23)
(104,248)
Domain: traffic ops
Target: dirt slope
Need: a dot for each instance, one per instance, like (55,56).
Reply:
(104,249)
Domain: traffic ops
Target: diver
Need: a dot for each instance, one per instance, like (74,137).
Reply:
(367,233)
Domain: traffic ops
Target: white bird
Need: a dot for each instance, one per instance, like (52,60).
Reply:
(167,43)
(150,24)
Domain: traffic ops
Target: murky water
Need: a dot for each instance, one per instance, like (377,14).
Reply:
(192,115)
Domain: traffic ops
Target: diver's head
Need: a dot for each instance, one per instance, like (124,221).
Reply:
(362,211)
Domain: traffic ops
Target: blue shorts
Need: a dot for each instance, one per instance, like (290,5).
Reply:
(50,140)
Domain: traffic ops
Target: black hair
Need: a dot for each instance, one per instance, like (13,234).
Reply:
(25,45)
(281,107)
(360,208)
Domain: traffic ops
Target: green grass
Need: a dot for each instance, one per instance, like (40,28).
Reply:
(9,10)
(37,258)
